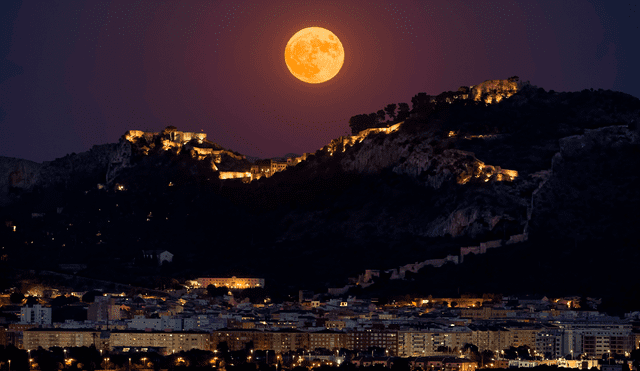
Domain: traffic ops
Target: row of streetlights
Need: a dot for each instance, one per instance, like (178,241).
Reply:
(68,361)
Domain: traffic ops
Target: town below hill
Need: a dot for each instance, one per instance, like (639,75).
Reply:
(239,326)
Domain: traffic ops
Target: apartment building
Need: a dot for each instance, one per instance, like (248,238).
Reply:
(237,338)
(279,341)
(365,339)
(593,338)
(430,343)
(168,342)
(327,339)
(48,338)
(35,314)
(522,334)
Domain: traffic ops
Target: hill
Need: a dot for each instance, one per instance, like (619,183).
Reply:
(478,164)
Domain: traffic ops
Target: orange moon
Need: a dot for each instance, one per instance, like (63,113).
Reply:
(314,55)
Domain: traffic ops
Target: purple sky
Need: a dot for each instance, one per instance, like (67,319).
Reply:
(75,74)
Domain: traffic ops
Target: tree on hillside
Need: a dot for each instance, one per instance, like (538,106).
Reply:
(59,301)
(381,116)
(421,103)
(90,296)
(403,111)
(62,300)
(361,122)
(170,129)
(390,109)
(468,347)
(16,298)
(373,118)
(31,300)
(255,294)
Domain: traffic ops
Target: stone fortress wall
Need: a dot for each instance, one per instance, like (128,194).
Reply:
(365,279)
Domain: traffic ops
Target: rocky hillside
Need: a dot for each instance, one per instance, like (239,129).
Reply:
(470,170)
(593,187)
(102,164)
(481,163)
(82,170)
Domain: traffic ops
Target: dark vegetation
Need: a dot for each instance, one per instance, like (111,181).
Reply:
(395,112)
(314,225)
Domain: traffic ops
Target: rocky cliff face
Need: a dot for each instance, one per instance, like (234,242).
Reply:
(16,174)
(592,188)
(119,160)
(86,168)
(434,167)
(417,157)
(485,166)
(103,163)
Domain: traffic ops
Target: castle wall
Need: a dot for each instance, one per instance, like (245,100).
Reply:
(491,244)
(235,174)
(517,238)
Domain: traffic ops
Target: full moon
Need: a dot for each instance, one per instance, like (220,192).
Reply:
(314,55)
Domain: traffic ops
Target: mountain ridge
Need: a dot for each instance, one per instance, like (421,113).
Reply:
(459,172)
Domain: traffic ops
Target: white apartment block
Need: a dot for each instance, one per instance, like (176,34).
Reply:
(49,338)
(549,343)
(593,338)
(169,342)
(156,324)
(426,343)
(36,315)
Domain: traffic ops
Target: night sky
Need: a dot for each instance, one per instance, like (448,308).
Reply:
(78,73)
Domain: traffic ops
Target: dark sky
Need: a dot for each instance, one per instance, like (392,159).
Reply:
(78,73)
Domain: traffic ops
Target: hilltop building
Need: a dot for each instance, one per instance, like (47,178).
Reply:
(266,168)
(232,283)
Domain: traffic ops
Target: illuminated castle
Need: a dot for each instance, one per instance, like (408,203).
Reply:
(176,136)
